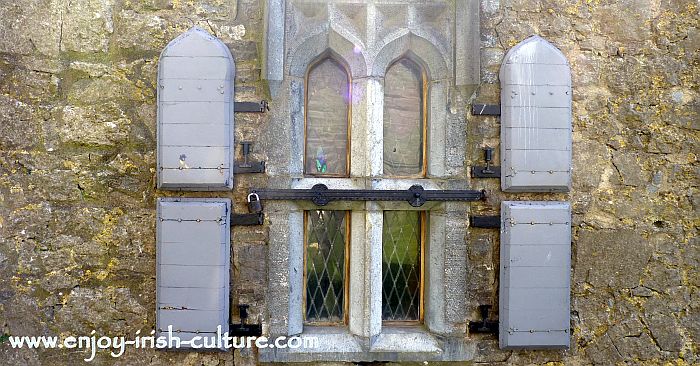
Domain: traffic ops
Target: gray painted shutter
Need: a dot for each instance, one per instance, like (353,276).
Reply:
(193,263)
(535,118)
(195,113)
(535,274)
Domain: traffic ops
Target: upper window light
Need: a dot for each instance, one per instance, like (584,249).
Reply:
(404,120)
(327,119)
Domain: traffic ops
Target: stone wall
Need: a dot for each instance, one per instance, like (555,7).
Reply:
(77,168)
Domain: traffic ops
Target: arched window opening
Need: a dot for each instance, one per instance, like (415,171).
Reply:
(404,120)
(327,119)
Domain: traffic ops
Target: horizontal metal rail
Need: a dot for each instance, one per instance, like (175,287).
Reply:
(416,196)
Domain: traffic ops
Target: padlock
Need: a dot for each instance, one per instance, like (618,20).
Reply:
(254,205)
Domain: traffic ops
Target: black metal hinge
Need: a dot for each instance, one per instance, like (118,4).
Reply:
(244,329)
(416,196)
(488,171)
(251,219)
(251,107)
(485,325)
(246,166)
(486,109)
(488,222)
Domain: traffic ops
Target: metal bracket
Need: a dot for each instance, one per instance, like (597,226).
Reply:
(245,166)
(247,219)
(416,196)
(485,325)
(244,329)
(251,107)
(488,222)
(486,109)
(487,171)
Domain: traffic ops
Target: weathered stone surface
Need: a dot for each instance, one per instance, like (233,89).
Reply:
(603,351)
(20,128)
(77,166)
(30,26)
(614,259)
(665,332)
(86,25)
(107,132)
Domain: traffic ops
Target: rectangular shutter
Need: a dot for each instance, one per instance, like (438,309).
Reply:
(193,266)
(535,274)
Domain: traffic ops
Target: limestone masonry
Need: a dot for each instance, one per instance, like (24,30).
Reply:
(78,171)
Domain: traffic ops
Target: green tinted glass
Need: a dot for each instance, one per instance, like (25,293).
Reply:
(401,265)
(326,240)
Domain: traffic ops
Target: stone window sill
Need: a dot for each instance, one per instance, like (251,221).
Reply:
(407,343)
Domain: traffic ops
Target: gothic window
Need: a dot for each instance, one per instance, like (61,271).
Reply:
(404,120)
(327,119)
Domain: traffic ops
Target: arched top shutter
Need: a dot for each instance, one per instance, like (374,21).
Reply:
(195,113)
(535,118)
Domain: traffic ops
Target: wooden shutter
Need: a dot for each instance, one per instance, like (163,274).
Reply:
(195,113)
(535,118)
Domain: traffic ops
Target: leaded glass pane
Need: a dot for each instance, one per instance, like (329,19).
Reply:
(401,265)
(403,119)
(327,119)
(326,240)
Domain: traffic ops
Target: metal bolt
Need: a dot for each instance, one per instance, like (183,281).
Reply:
(180,87)
(532,172)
